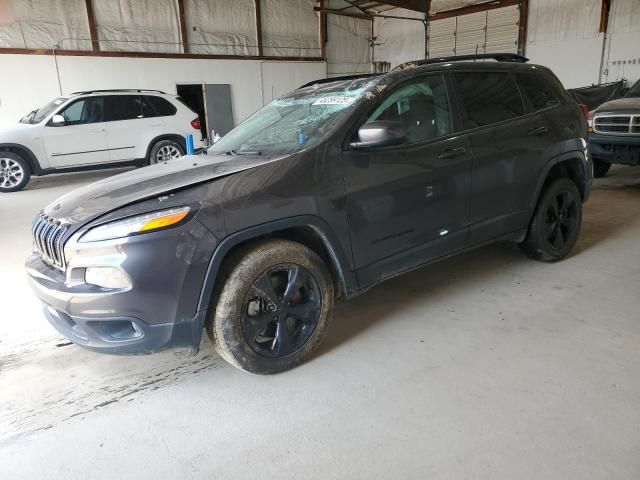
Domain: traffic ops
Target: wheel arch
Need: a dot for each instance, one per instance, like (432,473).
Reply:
(309,231)
(166,136)
(25,153)
(572,165)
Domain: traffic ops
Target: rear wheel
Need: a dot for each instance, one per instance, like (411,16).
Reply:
(600,168)
(165,150)
(273,309)
(556,223)
(14,172)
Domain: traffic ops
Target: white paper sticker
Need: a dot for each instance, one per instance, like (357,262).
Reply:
(337,100)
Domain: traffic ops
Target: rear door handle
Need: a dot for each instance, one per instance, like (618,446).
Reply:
(97,130)
(538,131)
(452,152)
(156,124)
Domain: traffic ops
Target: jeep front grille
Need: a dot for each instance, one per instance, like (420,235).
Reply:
(47,240)
(617,124)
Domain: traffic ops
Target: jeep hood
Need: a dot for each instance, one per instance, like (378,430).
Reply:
(621,105)
(114,192)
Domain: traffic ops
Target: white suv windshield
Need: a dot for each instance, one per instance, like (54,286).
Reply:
(294,122)
(39,114)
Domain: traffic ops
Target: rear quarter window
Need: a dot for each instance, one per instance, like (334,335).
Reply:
(160,106)
(537,91)
(488,97)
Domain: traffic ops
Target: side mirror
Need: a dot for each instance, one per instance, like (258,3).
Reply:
(58,121)
(381,133)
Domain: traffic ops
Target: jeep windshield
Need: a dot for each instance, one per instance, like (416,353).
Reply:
(294,122)
(39,114)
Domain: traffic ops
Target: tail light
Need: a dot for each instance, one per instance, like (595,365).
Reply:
(195,123)
(585,111)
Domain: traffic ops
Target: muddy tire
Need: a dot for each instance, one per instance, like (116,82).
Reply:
(600,168)
(556,223)
(273,309)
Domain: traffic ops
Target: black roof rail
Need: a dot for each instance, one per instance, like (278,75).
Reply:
(139,90)
(338,79)
(500,57)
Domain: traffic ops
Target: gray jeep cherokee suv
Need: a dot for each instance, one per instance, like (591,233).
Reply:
(321,194)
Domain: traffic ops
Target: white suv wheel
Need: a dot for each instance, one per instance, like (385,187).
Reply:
(14,172)
(168,152)
(11,173)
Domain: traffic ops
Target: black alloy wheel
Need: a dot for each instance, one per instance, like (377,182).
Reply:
(561,220)
(281,310)
(556,222)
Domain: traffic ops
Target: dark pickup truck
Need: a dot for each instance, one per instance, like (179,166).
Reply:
(615,132)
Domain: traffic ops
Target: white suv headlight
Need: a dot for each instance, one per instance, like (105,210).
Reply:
(134,225)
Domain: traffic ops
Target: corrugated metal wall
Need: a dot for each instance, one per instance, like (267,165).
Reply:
(483,32)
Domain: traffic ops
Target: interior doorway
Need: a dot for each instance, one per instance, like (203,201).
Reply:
(192,95)
(212,103)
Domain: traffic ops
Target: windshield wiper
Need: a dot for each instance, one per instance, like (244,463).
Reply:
(29,116)
(243,152)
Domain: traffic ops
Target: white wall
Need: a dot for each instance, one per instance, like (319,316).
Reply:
(622,50)
(563,35)
(32,81)
(348,48)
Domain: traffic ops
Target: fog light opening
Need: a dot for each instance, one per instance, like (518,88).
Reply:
(106,277)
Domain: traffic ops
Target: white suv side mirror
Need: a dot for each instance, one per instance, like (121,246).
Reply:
(58,120)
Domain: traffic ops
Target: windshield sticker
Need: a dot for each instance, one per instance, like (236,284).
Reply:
(335,100)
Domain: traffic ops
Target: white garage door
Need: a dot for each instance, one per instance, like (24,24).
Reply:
(483,32)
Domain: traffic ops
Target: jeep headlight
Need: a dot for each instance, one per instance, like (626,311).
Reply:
(148,222)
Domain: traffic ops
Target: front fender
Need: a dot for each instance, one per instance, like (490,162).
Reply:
(317,224)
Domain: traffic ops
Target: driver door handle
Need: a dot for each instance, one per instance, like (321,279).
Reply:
(538,130)
(452,152)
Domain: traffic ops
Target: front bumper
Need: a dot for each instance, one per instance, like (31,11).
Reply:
(615,148)
(126,335)
(158,310)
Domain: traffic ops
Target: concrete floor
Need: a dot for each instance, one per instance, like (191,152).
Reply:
(485,366)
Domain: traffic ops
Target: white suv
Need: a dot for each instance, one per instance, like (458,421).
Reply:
(95,129)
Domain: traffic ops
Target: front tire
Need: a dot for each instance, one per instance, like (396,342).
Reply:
(14,172)
(165,150)
(556,223)
(273,309)
(600,168)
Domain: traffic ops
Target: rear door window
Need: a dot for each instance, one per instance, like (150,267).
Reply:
(123,107)
(537,91)
(488,97)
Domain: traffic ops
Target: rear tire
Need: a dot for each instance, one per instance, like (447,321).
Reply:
(165,150)
(600,168)
(556,223)
(273,308)
(15,172)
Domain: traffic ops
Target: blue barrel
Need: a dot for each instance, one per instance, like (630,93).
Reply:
(190,148)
